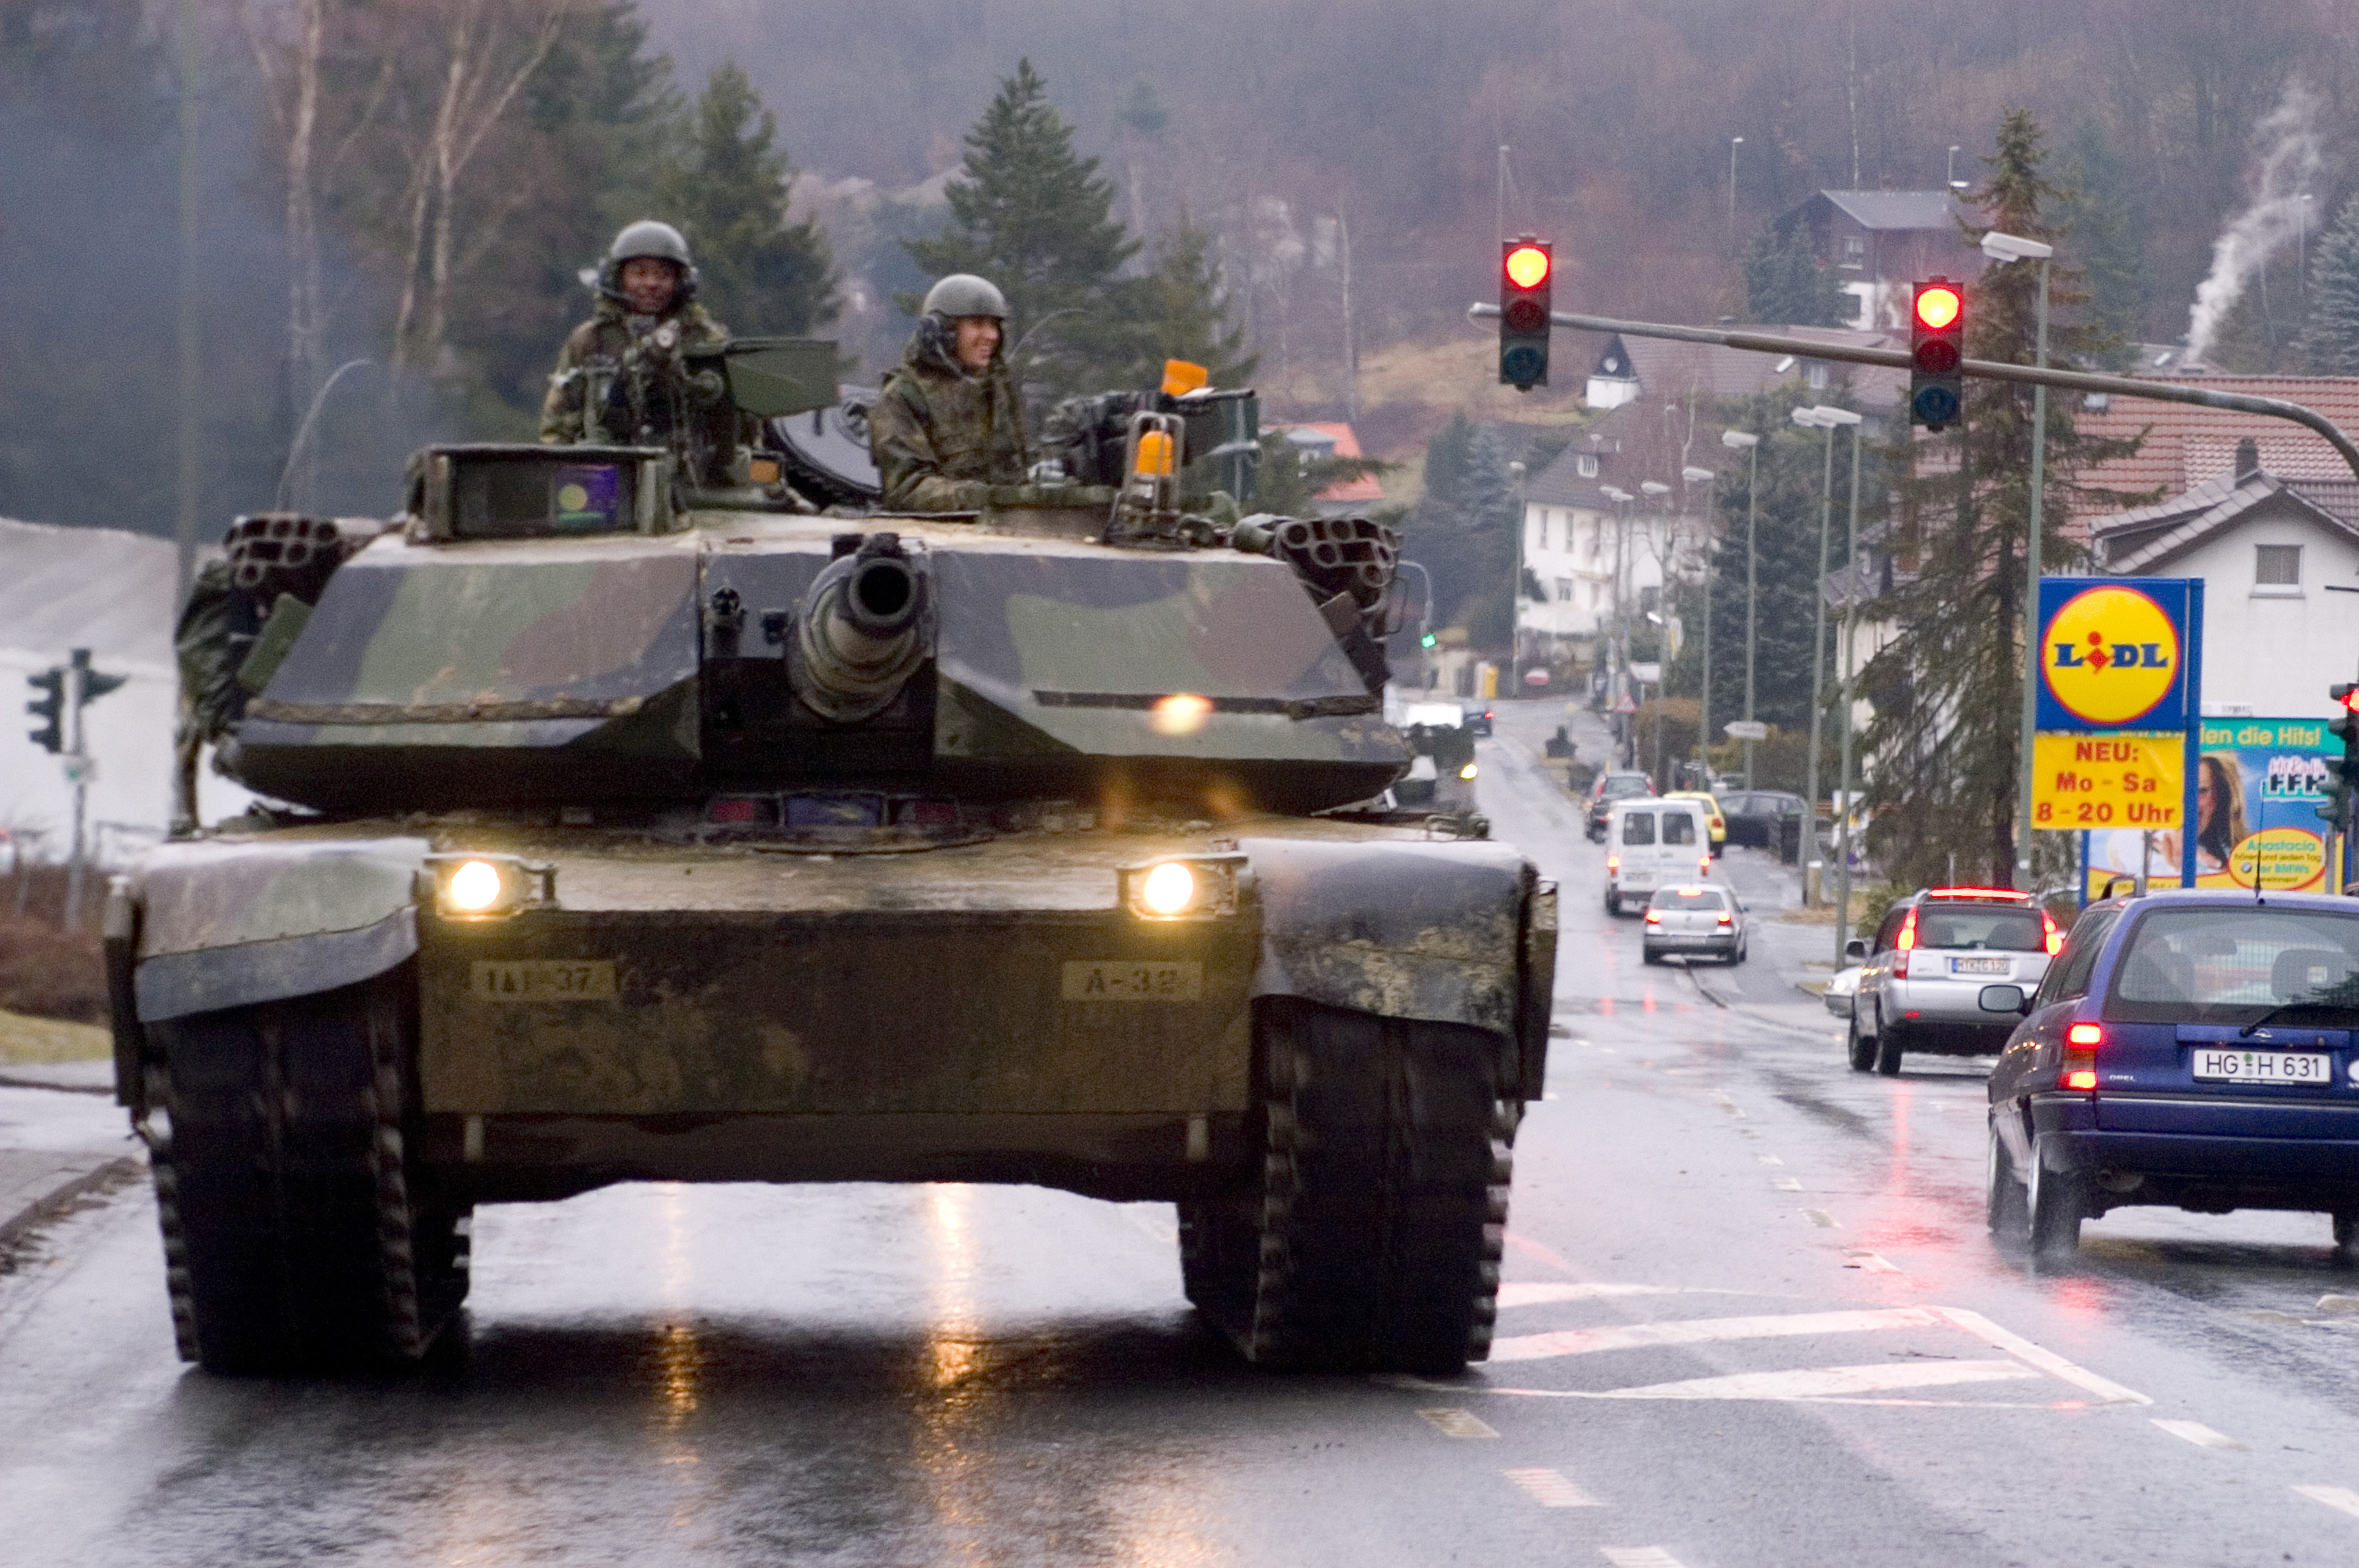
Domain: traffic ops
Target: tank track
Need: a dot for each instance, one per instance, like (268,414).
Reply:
(1371,1239)
(295,1232)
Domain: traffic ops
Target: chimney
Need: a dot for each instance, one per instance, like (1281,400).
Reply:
(2249,458)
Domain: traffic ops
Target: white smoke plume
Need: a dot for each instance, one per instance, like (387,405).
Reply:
(2288,163)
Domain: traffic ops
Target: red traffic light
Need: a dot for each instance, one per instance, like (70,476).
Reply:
(2346,695)
(1527,266)
(1936,306)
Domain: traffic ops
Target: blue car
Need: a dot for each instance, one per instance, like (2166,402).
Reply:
(2191,1049)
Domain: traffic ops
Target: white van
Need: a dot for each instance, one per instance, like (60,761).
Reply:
(1652,843)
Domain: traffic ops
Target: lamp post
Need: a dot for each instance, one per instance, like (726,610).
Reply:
(1654,490)
(1951,178)
(1733,143)
(1515,589)
(2003,249)
(1617,645)
(1750,445)
(1693,475)
(1844,822)
(1819,418)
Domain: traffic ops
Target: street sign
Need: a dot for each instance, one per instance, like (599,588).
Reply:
(80,771)
(1625,704)
(2109,781)
(1745,730)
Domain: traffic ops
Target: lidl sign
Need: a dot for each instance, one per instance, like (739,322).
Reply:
(2116,653)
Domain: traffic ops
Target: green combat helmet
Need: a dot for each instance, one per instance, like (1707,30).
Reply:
(624,831)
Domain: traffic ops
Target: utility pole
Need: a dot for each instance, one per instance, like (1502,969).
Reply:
(1843,823)
(1351,340)
(1750,445)
(1515,589)
(81,685)
(1711,567)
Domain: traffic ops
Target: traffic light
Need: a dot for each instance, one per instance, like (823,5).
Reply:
(1526,273)
(2343,772)
(1427,641)
(50,708)
(95,684)
(1937,339)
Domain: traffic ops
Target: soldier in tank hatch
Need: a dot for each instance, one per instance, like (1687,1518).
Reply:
(946,427)
(624,375)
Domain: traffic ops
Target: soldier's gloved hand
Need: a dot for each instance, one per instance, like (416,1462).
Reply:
(968,496)
(706,388)
(1062,496)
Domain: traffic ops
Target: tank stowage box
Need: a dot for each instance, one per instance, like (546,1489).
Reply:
(629,836)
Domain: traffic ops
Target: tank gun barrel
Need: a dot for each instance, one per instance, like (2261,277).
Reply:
(862,631)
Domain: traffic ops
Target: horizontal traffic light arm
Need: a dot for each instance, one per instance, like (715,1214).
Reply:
(1986,370)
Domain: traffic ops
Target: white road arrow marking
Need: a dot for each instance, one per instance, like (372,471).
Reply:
(1702,1331)
(1828,1382)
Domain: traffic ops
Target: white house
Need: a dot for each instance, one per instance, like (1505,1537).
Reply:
(1602,529)
(2279,560)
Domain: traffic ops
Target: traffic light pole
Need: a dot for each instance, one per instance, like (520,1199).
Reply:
(1987,370)
(77,687)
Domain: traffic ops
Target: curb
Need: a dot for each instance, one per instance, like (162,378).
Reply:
(78,1175)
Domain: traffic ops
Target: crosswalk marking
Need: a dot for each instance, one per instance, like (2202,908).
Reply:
(1699,1331)
(2342,1498)
(2196,1433)
(1458,1424)
(1552,1491)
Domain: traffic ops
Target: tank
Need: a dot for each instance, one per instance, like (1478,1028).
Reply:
(622,832)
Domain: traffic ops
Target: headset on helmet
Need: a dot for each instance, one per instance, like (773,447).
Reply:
(962,294)
(647,238)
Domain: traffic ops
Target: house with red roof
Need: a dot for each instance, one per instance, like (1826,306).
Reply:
(1321,439)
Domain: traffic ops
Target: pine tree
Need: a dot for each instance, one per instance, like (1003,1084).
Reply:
(1948,688)
(1037,219)
(1184,311)
(1783,283)
(726,184)
(2330,338)
(1461,531)
(2105,216)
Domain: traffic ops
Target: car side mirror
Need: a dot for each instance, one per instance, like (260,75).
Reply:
(1856,950)
(2004,999)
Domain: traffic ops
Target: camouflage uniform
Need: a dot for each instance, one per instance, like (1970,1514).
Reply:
(942,435)
(217,627)
(670,399)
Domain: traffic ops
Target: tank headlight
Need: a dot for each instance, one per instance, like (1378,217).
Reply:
(476,887)
(1198,888)
(1467,772)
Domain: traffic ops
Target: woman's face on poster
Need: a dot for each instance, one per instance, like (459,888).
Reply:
(2206,795)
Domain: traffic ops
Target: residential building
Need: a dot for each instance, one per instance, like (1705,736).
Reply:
(1317,441)
(1880,242)
(2186,447)
(2279,560)
(1629,368)
(1599,545)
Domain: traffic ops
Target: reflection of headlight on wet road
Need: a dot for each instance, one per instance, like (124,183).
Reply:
(1181,714)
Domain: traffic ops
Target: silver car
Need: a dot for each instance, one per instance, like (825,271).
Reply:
(1921,986)
(1696,919)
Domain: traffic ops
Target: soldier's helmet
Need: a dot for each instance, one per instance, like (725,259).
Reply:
(963,294)
(647,238)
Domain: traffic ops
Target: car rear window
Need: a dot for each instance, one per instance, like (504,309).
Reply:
(1689,898)
(2001,930)
(1679,828)
(1638,827)
(1618,785)
(2224,964)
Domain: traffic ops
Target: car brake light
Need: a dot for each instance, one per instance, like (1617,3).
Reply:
(1613,862)
(1726,918)
(1978,893)
(1908,933)
(2080,1064)
(1703,866)
(1654,917)
(2054,937)
(1900,968)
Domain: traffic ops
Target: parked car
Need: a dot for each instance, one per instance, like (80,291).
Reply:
(1712,813)
(1758,816)
(1609,789)
(1652,844)
(1926,965)
(1478,719)
(2189,1049)
(1696,920)
(1841,991)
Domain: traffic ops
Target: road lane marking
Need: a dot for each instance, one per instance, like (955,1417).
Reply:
(1552,1491)
(1452,1422)
(1770,1159)
(1523,1293)
(1639,1557)
(2196,1433)
(1706,1330)
(1820,1219)
(1727,1104)
(1874,1263)
(1829,1382)
(2342,1498)
(2055,1366)
(1786,1183)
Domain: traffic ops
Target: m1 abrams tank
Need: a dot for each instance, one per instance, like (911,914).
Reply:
(633,833)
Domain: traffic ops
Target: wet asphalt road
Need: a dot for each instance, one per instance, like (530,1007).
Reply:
(1753,1318)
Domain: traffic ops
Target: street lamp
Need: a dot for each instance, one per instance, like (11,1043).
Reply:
(1844,824)
(1694,475)
(1820,418)
(1954,182)
(1750,445)
(1618,646)
(2005,249)
(1515,589)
